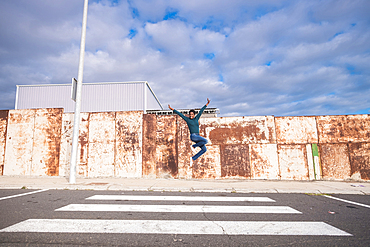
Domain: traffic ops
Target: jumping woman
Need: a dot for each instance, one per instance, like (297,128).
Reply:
(193,124)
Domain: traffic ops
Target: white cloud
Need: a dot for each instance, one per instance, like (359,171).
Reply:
(249,57)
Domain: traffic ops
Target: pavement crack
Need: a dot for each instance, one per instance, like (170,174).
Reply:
(151,186)
(222,228)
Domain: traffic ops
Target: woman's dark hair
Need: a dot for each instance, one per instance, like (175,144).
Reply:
(192,111)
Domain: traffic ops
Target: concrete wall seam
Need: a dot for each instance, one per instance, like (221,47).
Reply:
(3,133)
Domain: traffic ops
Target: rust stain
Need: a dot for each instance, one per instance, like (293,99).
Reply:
(22,116)
(335,161)
(130,144)
(53,139)
(128,157)
(296,130)
(360,160)
(235,161)
(293,162)
(239,130)
(149,145)
(18,153)
(101,144)
(166,146)
(3,127)
(208,166)
(264,161)
(343,129)
(235,133)
(66,144)
(83,141)
(184,150)
(46,142)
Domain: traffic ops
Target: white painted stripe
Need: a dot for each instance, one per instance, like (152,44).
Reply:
(180,198)
(176,227)
(180,208)
(24,194)
(355,203)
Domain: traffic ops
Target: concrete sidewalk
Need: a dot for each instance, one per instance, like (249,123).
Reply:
(190,185)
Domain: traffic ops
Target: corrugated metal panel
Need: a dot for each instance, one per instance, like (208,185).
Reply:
(360,160)
(46,142)
(184,150)
(19,142)
(149,145)
(128,157)
(239,130)
(342,129)
(264,161)
(66,145)
(335,161)
(58,96)
(101,144)
(296,130)
(208,166)
(293,162)
(96,97)
(3,125)
(166,146)
(112,97)
(235,161)
(152,100)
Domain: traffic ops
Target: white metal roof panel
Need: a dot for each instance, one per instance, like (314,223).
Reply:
(96,97)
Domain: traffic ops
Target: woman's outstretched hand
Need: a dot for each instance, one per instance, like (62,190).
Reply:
(170,107)
(208,102)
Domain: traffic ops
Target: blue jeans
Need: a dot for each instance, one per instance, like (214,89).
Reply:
(199,142)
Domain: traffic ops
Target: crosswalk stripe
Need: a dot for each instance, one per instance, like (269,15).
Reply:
(180,208)
(176,227)
(24,194)
(355,203)
(179,198)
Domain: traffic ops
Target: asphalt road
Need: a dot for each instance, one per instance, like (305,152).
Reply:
(55,206)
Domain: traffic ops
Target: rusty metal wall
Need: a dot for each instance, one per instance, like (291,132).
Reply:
(360,160)
(128,154)
(229,140)
(264,161)
(149,145)
(3,125)
(19,142)
(239,130)
(101,145)
(335,161)
(296,130)
(66,145)
(46,142)
(133,144)
(208,166)
(293,162)
(343,129)
(235,161)
(185,170)
(166,147)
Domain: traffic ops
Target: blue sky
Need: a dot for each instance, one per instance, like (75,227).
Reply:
(251,58)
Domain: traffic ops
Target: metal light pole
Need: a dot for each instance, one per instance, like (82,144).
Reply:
(76,125)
